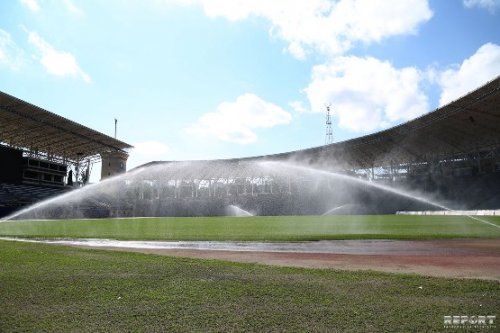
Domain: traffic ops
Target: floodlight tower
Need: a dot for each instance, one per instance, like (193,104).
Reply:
(329,131)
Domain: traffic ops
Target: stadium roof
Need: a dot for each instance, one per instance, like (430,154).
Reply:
(27,126)
(467,125)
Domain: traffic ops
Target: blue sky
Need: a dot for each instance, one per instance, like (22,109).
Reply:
(205,79)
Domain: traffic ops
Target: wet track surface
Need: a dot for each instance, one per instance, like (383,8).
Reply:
(456,258)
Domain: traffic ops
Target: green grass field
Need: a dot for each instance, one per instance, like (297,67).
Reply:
(46,288)
(279,228)
(60,289)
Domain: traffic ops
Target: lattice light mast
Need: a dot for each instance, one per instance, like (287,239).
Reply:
(329,131)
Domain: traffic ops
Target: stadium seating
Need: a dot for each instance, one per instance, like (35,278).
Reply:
(20,194)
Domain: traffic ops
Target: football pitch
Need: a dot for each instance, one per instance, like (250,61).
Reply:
(60,288)
(261,228)
(48,288)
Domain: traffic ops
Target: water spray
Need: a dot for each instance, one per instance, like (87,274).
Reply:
(372,184)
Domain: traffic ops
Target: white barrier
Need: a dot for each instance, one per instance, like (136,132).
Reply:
(453,212)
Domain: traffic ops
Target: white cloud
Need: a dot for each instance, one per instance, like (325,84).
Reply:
(10,54)
(235,121)
(72,8)
(56,62)
(482,66)
(298,106)
(368,20)
(150,148)
(366,93)
(325,26)
(147,151)
(32,5)
(490,5)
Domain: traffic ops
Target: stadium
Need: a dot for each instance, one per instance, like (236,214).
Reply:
(450,157)
(392,230)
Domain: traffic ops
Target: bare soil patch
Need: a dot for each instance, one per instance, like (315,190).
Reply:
(456,258)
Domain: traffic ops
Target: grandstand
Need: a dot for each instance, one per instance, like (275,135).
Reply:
(43,154)
(451,155)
